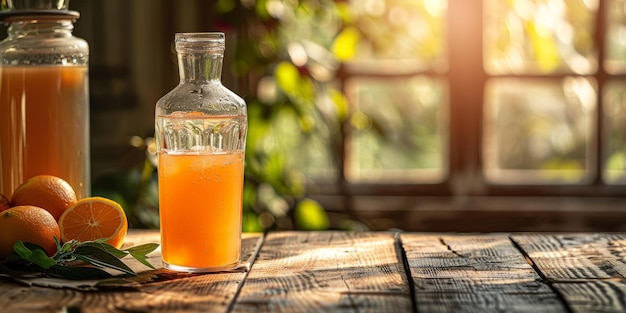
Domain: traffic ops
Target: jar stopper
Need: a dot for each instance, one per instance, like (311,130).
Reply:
(12,8)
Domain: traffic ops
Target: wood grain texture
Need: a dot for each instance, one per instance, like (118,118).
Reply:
(576,257)
(326,271)
(474,273)
(588,270)
(595,296)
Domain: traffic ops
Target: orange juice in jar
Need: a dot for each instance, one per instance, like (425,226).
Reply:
(200,130)
(43,125)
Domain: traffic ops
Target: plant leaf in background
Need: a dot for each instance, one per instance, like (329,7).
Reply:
(310,215)
(344,47)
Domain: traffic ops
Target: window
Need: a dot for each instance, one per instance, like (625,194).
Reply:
(485,98)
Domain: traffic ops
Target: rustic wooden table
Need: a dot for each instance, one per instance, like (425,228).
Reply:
(368,272)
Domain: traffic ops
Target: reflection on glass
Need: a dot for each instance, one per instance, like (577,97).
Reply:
(540,36)
(539,131)
(397,131)
(615,120)
(615,60)
(400,35)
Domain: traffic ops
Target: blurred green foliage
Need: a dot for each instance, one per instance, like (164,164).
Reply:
(288,52)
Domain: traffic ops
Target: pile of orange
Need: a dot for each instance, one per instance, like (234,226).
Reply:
(45,207)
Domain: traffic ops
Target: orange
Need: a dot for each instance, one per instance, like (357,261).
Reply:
(4,203)
(45,191)
(94,218)
(29,224)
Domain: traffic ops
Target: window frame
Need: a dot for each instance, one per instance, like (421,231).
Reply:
(467,79)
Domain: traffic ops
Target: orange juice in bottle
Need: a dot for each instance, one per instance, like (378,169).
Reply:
(200,129)
(201,208)
(44,101)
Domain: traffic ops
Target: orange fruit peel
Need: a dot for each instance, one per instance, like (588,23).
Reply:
(29,224)
(94,218)
(49,192)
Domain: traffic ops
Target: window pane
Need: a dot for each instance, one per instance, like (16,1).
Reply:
(615,61)
(615,119)
(397,130)
(539,131)
(400,35)
(540,36)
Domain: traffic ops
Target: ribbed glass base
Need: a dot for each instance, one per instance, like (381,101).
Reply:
(179,268)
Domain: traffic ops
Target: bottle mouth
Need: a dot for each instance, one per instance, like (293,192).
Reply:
(200,42)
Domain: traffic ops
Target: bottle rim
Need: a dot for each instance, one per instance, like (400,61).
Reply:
(200,41)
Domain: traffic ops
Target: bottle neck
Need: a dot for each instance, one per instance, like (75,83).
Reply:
(44,27)
(200,67)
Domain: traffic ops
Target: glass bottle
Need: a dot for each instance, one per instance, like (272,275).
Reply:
(200,130)
(44,100)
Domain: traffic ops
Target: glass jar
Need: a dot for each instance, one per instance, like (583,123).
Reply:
(44,97)
(200,130)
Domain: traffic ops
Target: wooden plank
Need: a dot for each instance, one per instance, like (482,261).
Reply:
(588,270)
(474,273)
(595,296)
(171,292)
(576,257)
(326,271)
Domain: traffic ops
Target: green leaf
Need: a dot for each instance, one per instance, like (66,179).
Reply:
(297,87)
(30,258)
(345,12)
(225,6)
(143,249)
(250,222)
(310,215)
(344,47)
(341,104)
(287,77)
(261,9)
(67,247)
(58,244)
(100,244)
(101,258)
(34,254)
(140,252)
(76,272)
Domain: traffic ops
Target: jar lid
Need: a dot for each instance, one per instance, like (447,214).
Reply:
(14,8)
